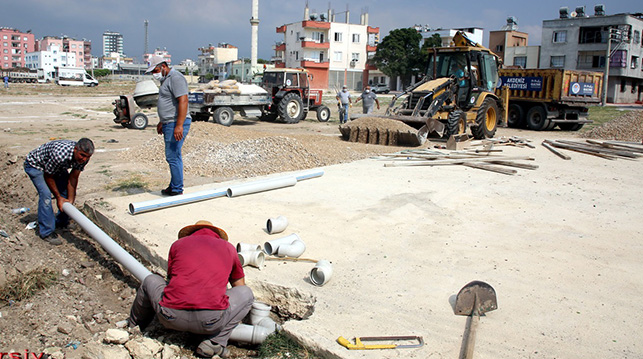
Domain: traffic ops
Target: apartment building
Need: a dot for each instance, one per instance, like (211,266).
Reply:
(50,59)
(512,46)
(65,45)
(577,40)
(112,43)
(334,53)
(213,59)
(14,46)
(474,34)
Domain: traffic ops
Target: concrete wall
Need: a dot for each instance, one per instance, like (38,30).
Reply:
(532,54)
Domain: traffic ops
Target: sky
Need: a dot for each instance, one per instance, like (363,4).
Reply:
(183,26)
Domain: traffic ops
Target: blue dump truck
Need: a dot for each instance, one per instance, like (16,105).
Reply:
(541,99)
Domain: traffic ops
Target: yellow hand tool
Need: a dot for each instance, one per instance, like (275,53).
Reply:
(361,346)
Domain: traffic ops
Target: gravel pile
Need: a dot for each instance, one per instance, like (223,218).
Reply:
(380,124)
(628,127)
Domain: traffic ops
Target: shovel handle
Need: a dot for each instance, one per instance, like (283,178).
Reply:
(470,337)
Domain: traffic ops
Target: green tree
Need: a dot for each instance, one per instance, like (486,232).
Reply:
(427,48)
(100,72)
(399,54)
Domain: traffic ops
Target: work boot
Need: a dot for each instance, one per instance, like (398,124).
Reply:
(208,349)
(168,192)
(53,239)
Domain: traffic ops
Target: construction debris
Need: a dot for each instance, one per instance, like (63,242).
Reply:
(610,150)
(506,141)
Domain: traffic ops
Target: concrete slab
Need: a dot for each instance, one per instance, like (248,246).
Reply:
(562,252)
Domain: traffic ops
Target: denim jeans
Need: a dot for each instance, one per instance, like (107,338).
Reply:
(343,116)
(46,220)
(173,153)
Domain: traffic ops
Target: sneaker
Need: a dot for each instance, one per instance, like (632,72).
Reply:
(208,349)
(52,238)
(168,192)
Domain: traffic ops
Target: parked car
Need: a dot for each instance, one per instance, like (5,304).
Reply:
(380,88)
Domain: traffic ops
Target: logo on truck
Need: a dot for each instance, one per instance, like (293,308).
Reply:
(521,83)
(581,88)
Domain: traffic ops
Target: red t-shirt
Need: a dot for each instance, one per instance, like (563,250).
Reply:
(199,267)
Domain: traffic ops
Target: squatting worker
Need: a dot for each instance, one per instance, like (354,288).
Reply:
(174,119)
(344,101)
(47,167)
(368,99)
(196,299)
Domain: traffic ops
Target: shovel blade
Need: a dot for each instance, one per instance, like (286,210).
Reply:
(466,302)
(433,125)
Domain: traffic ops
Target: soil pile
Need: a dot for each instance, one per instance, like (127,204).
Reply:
(628,127)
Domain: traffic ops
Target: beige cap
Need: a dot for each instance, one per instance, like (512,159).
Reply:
(155,61)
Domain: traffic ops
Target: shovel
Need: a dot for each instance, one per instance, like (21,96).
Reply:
(473,300)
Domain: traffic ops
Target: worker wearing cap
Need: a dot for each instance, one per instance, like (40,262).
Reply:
(174,119)
(196,299)
(368,99)
(344,102)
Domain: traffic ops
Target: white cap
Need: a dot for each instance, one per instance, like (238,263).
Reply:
(155,61)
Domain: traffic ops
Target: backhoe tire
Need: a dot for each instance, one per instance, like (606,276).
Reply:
(139,122)
(516,116)
(537,119)
(223,116)
(456,123)
(486,120)
(291,108)
(323,114)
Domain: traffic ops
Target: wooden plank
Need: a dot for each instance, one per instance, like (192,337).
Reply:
(516,164)
(616,146)
(555,151)
(491,168)
(454,162)
(573,148)
(599,149)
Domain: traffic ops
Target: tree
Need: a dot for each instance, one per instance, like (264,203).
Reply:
(427,48)
(100,72)
(399,54)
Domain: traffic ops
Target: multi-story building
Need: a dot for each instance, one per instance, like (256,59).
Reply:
(65,45)
(512,46)
(158,52)
(112,42)
(474,34)
(50,59)
(580,41)
(212,60)
(335,53)
(113,61)
(14,45)
(87,50)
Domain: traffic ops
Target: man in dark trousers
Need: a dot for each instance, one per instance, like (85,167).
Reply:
(47,167)
(174,119)
(196,299)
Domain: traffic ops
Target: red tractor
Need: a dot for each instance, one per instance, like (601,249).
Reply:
(292,97)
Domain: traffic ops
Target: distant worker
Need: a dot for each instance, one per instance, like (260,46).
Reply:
(344,102)
(196,299)
(47,167)
(368,98)
(174,120)
(6,82)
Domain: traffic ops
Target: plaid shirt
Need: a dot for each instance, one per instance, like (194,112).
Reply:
(54,157)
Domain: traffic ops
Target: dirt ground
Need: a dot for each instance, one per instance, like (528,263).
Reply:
(92,292)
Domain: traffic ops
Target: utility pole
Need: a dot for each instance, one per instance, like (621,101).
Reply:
(607,66)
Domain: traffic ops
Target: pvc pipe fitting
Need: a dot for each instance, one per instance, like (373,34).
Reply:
(247,247)
(321,273)
(295,249)
(252,334)
(271,247)
(252,258)
(260,186)
(276,225)
(258,312)
(269,324)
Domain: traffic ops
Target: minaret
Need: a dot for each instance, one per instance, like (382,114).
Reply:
(254,22)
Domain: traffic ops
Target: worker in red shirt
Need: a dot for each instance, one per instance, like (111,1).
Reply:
(196,299)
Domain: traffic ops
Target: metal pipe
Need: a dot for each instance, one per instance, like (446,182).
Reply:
(115,250)
(140,207)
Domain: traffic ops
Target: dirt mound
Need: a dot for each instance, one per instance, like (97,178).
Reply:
(628,127)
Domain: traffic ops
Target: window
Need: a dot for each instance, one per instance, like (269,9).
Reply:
(296,55)
(520,61)
(592,35)
(355,37)
(24,38)
(355,56)
(560,37)
(338,36)
(557,61)
(499,48)
(623,85)
(591,59)
(635,62)
(297,37)
(5,37)
(6,58)
(637,36)
(337,56)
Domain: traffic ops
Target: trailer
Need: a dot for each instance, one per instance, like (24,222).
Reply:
(20,75)
(222,103)
(541,99)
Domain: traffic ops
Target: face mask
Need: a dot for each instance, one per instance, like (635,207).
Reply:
(367,90)
(344,90)
(158,75)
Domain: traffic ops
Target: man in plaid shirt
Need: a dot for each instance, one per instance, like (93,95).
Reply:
(47,167)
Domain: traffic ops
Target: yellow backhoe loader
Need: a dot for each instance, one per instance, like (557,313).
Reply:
(457,93)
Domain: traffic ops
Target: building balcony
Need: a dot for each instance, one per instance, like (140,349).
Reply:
(373,30)
(371,48)
(315,45)
(315,64)
(280,65)
(315,24)
(281,29)
(280,47)
(370,67)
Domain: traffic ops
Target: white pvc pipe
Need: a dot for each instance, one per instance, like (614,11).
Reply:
(116,251)
(294,249)
(245,247)
(260,186)
(252,334)
(321,273)
(258,312)
(252,258)
(304,175)
(272,246)
(146,206)
(276,225)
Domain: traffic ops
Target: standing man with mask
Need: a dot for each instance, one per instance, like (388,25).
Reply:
(174,120)
(368,98)
(344,102)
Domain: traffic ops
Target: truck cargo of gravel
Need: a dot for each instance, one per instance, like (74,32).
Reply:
(541,99)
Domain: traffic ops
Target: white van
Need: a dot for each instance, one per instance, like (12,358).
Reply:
(74,76)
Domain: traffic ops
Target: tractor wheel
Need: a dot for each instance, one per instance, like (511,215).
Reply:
(456,123)
(570,126)
(515,116)
(291,108)
(323,114)
(486,120)
(537,118)
(223,116)
(139,122)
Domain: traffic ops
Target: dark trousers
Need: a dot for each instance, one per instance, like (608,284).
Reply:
(215,325)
